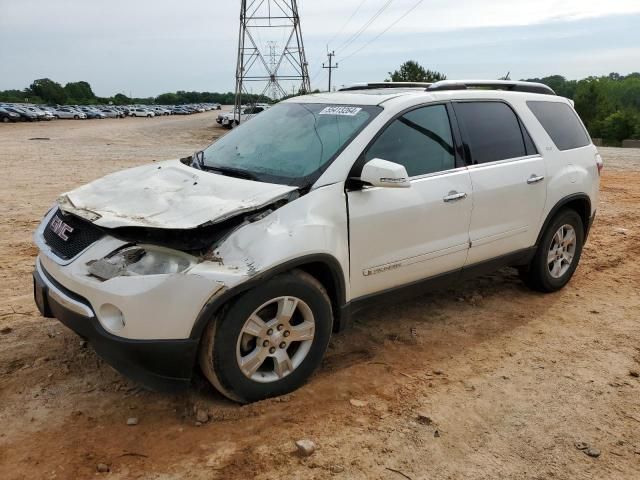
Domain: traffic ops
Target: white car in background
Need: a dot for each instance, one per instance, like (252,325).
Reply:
(248,255)
(160,111)
(68,112)
(230,120)
(141,112)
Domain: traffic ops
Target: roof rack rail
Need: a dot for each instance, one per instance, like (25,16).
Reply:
(512,86)
(376,85)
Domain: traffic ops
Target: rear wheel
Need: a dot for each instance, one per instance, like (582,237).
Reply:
(268,341)
(558,254)
(5,119)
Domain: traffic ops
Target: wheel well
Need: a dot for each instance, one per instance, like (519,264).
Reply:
(582,207)
(323,268)
(328,278)
(579,203)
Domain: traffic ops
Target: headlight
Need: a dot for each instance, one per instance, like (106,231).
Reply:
(140,260)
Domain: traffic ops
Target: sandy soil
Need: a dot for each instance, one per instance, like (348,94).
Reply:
(497,382)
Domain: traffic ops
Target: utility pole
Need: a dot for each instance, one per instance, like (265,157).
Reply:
(273,65)
(331,65)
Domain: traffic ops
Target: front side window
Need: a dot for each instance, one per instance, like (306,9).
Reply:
(420,140)
(561,123)
(289,143)
(491,130)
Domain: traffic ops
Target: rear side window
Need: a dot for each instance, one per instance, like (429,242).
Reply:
(561,123)
(492,131)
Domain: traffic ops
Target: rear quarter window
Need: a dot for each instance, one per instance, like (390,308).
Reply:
(561,123)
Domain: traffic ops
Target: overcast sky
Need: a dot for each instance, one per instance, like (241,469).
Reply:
(147,47)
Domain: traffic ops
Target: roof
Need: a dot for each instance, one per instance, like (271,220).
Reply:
(379,93)
(355,97)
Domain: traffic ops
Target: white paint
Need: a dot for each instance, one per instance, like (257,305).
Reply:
(167,195)
(397,235)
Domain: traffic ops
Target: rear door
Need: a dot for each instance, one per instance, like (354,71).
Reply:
(401,235)
(508,179)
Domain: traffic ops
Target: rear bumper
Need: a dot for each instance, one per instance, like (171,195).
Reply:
(162,365)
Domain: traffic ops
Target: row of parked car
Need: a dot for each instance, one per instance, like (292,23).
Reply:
(16,112)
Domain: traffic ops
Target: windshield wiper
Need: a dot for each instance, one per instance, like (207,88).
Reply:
(229,171)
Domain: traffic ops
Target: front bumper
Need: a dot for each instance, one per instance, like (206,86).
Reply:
(163,365)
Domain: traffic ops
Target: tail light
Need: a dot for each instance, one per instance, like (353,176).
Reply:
(599,163)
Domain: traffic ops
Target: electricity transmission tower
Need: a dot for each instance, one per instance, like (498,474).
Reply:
(274,64)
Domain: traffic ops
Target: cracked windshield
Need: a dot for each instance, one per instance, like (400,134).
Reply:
(289,143)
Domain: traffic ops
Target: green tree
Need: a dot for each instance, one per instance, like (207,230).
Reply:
(412,71)
(48,90)
(559,84)
(79,91)
(592,101)
(619,126)
(121,99)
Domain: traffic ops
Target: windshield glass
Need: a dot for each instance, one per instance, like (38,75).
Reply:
(289,143)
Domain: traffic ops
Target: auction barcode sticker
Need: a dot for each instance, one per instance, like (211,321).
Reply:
(346,111)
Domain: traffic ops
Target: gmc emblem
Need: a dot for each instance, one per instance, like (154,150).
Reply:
(60,228)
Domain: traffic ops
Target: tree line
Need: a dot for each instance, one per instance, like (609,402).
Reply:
(608,105)
(48,92)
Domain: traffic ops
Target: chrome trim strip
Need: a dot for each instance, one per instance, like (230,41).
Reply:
(61,297)
(507,160)
(451,171)
(406,262)
(498,236)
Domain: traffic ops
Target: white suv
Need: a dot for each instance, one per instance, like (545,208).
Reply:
(245,257)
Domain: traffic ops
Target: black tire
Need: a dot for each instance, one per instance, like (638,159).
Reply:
(218,347)
(537,275)
(76,117)
(5,119)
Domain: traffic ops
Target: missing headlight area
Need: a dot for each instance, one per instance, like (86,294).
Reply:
(140,260)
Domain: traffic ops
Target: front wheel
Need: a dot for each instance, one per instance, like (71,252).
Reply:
(270,340)
(5,119)
(558,254)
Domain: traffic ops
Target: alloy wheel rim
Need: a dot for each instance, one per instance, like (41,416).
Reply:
(561,251)
(275,339)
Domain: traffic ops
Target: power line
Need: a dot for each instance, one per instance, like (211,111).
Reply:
(347,22)
(393,24)
(355,36)
(353,14)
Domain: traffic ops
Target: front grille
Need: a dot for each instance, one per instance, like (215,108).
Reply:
(79,234)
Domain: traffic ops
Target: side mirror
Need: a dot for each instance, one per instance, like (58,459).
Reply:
(382,173)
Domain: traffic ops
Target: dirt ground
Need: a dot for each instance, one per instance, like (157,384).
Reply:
(497,382)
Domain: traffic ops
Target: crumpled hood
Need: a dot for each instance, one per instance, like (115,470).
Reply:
(168,195)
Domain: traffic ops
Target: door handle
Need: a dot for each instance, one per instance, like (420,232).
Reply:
(454,196)
(535,179)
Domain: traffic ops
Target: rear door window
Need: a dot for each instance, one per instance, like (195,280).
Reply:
(561,124)
(491,131)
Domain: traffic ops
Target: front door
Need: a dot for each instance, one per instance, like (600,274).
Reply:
(401,235)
